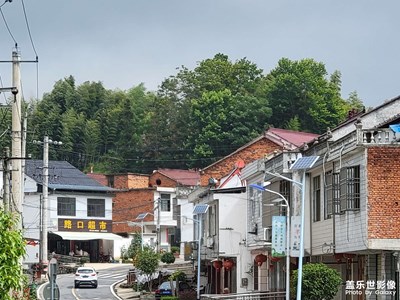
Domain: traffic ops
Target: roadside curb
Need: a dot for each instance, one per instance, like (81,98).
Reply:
(38,291)
(113,291)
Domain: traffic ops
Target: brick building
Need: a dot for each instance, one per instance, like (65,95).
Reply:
(351,205)
(274,139)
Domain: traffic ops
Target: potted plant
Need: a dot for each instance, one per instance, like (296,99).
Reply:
(175,251)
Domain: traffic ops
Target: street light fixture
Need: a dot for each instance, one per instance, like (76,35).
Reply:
(261,188)
(301,165)
(199,210)
(141,217)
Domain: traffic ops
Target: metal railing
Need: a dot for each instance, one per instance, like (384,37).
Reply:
(246,296)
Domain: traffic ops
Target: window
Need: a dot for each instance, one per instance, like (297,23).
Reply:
(350,188)
(212,217)
(284,190)
(165,202)
(66,206)
(96,208)
(255,201)
(316,189)
(332,194)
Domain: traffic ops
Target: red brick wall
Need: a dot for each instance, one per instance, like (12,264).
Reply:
(383,172)
(127,205)
(165,181)
(251,153)
(130,181)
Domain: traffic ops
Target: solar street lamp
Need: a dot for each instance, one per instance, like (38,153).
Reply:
(282,198)
(141,217)
(199,210)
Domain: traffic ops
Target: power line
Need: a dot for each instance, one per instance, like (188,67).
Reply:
(34,49)
(5,22)
(29,30)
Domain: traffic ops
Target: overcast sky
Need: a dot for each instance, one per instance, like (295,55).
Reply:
(125,42)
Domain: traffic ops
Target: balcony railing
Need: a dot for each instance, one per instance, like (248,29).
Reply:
(377,136)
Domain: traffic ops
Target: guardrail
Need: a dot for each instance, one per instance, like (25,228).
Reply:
(246,296)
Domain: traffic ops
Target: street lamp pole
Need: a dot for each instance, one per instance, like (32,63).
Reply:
(287,234)
(300,165)
(199,210)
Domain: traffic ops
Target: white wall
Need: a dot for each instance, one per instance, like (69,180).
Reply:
(232,234)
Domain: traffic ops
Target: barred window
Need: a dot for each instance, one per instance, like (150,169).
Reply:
(285,191)
(96,208)
(332,194)
(316,198)
(66,206)
(350,188)
(165,202)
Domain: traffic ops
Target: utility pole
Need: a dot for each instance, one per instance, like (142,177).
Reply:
(158,225)
(16,139)
(45,204)
(6,180)
(45,199)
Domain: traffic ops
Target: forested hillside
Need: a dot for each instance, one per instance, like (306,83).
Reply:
(195,117)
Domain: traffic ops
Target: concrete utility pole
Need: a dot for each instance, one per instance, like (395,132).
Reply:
(45,204)
(6,180)
(45,200)
(158,225)
(16,139)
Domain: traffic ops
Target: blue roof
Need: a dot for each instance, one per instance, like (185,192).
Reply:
(63,176)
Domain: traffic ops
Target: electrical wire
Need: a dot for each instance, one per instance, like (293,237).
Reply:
(8,28)
(29,30)
(33,47)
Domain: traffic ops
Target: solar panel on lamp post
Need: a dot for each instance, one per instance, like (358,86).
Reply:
(302,164)
(141,217)
(262,188)
(199,210)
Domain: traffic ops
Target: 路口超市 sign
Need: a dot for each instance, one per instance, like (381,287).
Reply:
(85,225)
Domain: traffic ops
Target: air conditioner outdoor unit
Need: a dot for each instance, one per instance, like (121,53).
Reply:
(268,234)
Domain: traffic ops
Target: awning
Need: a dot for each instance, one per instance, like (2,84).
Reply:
(81,236)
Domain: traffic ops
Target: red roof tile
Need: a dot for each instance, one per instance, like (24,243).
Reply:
(183,177)
(297,138)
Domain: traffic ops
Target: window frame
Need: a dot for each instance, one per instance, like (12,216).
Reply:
(63,211)
(350,188)
(316,198)
(165,204)
(95,211)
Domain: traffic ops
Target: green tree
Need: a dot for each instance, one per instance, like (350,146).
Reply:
(318,282)
(147,262)
(11,253)
(135,246)
(301,89)
(213,109)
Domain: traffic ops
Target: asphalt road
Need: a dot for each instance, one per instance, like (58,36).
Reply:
(106,278)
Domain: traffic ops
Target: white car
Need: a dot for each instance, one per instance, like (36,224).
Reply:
(86,276)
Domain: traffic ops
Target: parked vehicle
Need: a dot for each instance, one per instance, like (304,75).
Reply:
(86,276)
(165,288)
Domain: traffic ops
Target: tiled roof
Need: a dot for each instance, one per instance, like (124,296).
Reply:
(284,138)
(62,175)
(297,138)
(183,177)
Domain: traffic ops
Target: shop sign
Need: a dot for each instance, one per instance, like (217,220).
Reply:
(85,225)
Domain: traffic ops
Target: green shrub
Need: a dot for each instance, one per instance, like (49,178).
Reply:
(168,258)
(169,298)
(175,249)
(318,282)
(178,275)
